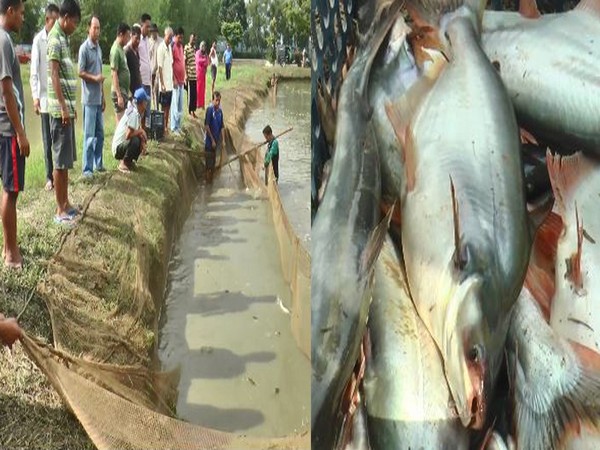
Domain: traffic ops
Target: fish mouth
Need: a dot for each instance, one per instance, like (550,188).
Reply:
(477,406)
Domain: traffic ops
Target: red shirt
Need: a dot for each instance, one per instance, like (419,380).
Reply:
(178,64)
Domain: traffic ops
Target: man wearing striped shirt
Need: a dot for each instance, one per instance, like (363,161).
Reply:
(38,80)
(190,68)
(62,90)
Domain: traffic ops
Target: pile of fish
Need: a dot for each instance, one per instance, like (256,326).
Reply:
(455,299)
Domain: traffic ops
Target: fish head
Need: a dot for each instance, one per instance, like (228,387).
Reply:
(466,353)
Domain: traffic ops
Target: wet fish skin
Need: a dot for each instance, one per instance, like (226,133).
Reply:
(392,75)
(465,296)
(550,67)
(345,244)
(556,383)
(407,397)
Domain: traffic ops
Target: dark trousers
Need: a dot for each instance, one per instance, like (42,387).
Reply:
(275,162)
(47,141)
(192,96)
(228,71)
(129,150)
(497,5)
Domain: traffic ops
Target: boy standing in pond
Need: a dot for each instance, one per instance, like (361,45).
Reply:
(272,155)
(213,127)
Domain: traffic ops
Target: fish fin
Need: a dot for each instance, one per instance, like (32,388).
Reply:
(396,219)
(592,6)
(563,397)
(566,172)
(574,262)
(540,278)
(538,214)
(399,118)
(459,261)
(375,243)
(529,9)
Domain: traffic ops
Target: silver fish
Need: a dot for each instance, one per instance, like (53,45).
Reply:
(408,400)
(465,230)
(346,241)
(550,66)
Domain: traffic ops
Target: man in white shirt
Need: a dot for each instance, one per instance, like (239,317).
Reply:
(38,81)
(130,138)
(153,42)
(164,58)
(145,65)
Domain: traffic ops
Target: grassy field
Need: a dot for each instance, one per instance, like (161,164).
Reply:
(31,413)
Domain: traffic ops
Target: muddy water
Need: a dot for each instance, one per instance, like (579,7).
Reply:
(291,108)
(225,319)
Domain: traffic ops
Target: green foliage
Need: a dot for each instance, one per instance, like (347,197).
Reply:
(271,20)
(233,11)
(232,32)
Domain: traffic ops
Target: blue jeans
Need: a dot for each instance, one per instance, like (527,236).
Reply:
(148,106)
(93,137)
(176,112)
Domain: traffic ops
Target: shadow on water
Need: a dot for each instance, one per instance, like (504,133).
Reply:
(211,363)
(226,419)
(221,303)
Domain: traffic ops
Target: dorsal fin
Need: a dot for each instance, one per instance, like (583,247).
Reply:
(574,262)
(458,261)
(529,9)
(592,6)
(566,172)
(540,278)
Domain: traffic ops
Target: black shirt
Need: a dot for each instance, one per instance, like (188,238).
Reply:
(133,62)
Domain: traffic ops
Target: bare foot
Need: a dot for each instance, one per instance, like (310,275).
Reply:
(49,186)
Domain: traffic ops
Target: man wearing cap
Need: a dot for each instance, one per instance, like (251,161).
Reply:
(130,138)
(92,99)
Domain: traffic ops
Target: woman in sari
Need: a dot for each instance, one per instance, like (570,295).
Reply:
(202,63)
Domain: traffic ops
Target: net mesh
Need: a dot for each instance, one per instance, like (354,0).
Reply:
(100,365)
(295,260)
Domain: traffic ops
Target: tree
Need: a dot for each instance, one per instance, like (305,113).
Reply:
(232,32)
(233,11)
(297,16)
(258,24)
(34,21)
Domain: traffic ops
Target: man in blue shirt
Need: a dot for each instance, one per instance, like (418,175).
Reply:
(92,98)
(227,59)
(213,127)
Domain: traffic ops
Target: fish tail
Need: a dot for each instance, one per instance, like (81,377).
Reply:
(554,421)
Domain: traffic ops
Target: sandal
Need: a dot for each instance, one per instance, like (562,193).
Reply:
(64,220)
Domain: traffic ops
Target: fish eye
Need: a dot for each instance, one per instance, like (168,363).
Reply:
(475,354)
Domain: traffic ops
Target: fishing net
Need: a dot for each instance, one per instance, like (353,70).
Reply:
(101,365)
(295,260)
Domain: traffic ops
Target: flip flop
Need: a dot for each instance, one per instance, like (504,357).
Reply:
(64,220)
